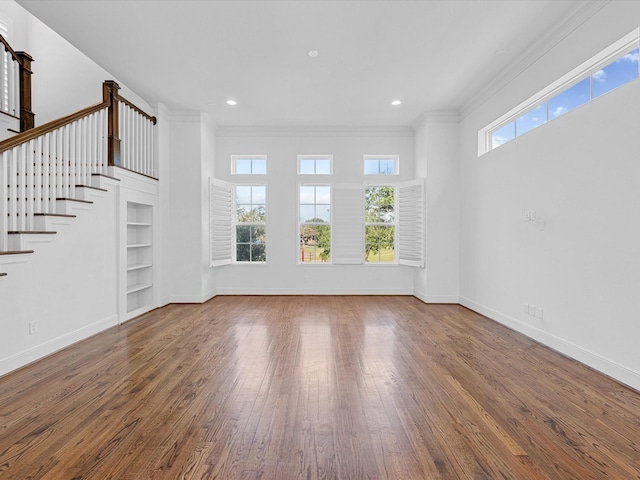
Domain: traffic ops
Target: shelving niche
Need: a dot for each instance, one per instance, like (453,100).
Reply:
(139,256)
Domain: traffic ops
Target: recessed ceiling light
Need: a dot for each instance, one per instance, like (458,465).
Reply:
(312,53)
(231,103)
(395,103)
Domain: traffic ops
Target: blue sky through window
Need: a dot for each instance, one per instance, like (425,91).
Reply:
(571,98)
(503,135)
(532,119)
(615,74)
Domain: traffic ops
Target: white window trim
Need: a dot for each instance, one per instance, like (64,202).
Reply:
(252,157)
(601,59)
(299,223)
(235,223)
(396,161)
(316,157)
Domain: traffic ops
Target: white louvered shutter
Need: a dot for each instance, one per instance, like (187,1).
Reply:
(411,222)
(220,223)
(347,244)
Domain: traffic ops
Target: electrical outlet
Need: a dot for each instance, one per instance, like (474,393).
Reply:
(532,310)
(33,327)
(526,308)
(527,215)
(539,313)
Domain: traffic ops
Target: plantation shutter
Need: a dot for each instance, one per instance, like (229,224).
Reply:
(411,221)
(220,222)
(347,244)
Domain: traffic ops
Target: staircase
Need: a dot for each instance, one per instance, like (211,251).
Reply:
(78,199)
(51,173)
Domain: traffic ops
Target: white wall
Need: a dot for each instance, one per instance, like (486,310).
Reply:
(164,242)
(282,274)
(69,286)
(192,144)
(207,171)
(64,80)
(580,173)
(436,150)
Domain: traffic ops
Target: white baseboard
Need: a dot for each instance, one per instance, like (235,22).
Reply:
(32,354)
(313,291)
(615,370)
(192,298)
(435,298)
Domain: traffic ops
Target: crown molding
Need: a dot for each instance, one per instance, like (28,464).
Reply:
(446,116)
(185,116)
(560,30)
(314,131)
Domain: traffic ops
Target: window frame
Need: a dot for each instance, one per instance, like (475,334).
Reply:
(616,51)
(369,157)
(393,224)
(236,223)
(235,158)
(315,157)
(300,223)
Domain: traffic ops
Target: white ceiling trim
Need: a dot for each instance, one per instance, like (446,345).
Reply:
(436,117)
(230,131)
(562,29)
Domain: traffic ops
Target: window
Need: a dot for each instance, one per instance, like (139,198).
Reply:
(606,71)
(380,224)
(315,164)
(381,164)
(250,223)
(249,164)
(314,219)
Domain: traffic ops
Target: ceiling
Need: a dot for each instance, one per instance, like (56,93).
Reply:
(432,55)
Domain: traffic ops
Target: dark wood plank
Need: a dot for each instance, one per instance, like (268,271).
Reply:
(315,387)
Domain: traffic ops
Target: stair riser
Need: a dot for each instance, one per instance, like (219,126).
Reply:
(28,241)
(49,224)
(106,183)
(69,207)
(89,194)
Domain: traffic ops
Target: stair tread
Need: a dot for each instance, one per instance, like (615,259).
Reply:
(15,252)
(65,215)
(74,200)
(92,188)
(31,232)
(105,176)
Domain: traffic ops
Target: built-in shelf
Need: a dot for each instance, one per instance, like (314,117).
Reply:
(138,288)
(139,267)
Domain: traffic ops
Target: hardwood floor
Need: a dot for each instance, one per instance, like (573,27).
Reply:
(315,388)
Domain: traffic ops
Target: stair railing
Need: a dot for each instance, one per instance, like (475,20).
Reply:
(48,162)
(15,87)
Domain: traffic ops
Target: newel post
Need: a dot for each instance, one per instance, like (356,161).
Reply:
(110,96)
(26,115)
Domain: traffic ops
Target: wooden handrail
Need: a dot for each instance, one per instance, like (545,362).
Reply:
(137,109)
(61,122)
(13,53)
(49,127)
(24,60)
